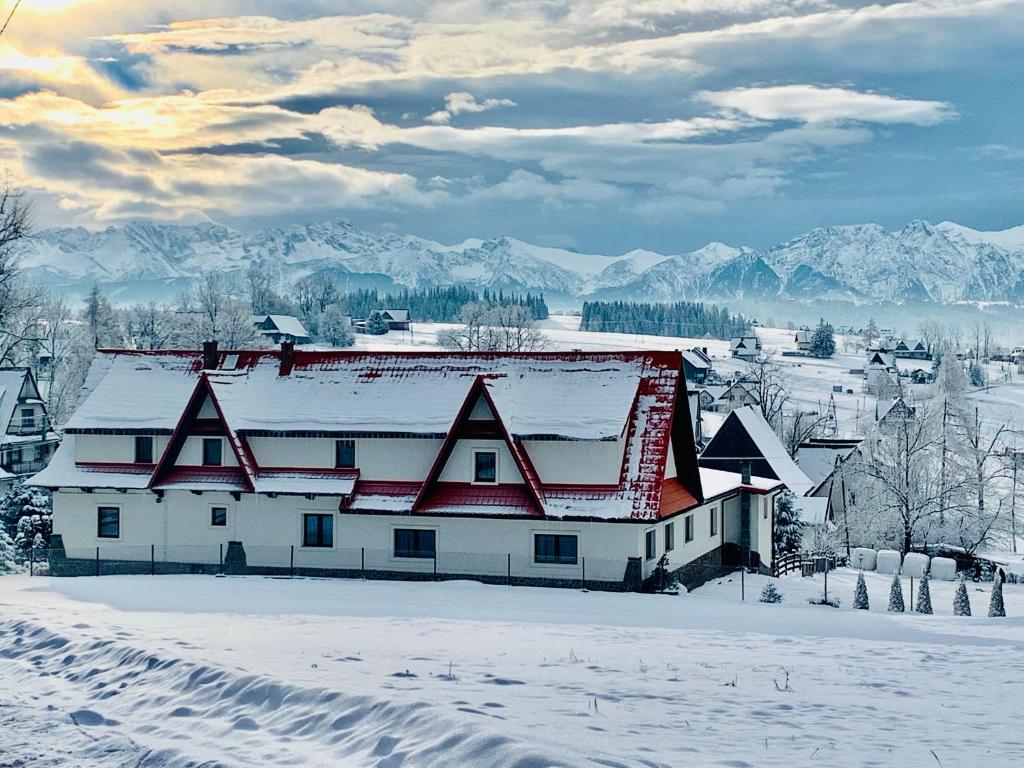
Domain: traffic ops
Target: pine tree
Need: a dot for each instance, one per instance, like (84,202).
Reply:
(995,603)
(788,529)
(26,514)
(896,595)
(823,342)
(961,603)
(376,325)
(924,596)
(9,555)
(860,596)
(770,594)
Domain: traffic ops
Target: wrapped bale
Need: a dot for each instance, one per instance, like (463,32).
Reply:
(943,568)
(888,561)
(863,558)
(915,564)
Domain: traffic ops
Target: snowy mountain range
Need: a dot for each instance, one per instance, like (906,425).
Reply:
(939,263)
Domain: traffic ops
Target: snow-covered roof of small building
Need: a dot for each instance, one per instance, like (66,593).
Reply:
(398,315)
(818,462)
(288,324)
(696,359)
(717,482)
(743,342)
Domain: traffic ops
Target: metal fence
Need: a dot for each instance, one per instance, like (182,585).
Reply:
(355,562)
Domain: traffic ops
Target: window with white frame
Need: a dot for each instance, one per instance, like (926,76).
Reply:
(219,517)
(317,530)
(213,452)
(485,467)
(108,522)
(559,548)
(345,454)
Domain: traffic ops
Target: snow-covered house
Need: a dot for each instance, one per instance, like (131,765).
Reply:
(803,339)
(535,468)
(913,349)
(696,366)
(746,438)
(725,399)
(280,328)
(28,440)
(744,347)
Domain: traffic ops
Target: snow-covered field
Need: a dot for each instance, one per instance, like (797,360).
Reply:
(194,670)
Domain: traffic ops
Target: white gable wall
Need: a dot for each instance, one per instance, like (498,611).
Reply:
(459,467)
(578,461)
(192,452)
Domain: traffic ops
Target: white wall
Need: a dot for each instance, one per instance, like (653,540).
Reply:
(400,459)
(192,452)
(113,448)
(576,461)
(459,467)
(683,552)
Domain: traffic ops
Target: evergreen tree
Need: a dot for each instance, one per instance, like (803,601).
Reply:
(770,594)
(9,555)
(977,375)
(29,518)
(823,342)
(896,595)
(376,325)
(961,603)
(860,596)
(788,529)
(688,319)
(995,603)
(924,596)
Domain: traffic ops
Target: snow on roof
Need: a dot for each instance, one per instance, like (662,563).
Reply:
(12,381)
(695,359)
(812,510)
(136,390)
(63,472)
(717,482)
(301,482)
(398,315)
(819,462)
(289,324)
(772,449)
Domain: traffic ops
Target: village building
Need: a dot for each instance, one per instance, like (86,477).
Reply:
(744,347)
(729,397)
(278,328)
(697,366)
(28,440)
(533,468)
(803,339)
(911,350)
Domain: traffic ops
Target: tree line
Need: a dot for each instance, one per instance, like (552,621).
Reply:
(682,318)
(440,305)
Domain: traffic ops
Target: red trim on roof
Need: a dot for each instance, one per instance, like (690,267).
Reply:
(202,475)
(675,497)
(507,496)
(115,466)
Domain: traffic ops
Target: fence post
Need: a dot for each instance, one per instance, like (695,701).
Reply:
(583,560)
(362,562)
(32,561)
(435,563)
(221,560)
(97,561)
(291,562)
(152,559)
(911,594)
(508,570)
(743,586)
(826,584)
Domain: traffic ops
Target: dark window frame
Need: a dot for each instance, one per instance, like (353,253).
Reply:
(476,466)
(145,456)
(670,536)
(559,541)
(322,534)
(214,516)
(101,523)
(350,446)
(688,529)
(30,423)
(415,543)
(651,544)
(713,521)
(219,442)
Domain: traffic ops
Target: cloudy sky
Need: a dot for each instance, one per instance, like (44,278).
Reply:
(602,125)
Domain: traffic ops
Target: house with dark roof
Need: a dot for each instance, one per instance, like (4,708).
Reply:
(913,349)
(280,328)
(803,339)
(533,468)
(696,366)
(27,438)
(744,347)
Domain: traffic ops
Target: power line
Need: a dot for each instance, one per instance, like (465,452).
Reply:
(9,17)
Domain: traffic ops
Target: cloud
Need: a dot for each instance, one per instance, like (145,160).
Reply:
(814,104)
(462,101)
(1003,151)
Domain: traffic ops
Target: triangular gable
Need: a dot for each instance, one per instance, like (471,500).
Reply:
(478,392)
(202,394)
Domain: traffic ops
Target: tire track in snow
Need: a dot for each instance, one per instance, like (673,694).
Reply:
(118,705)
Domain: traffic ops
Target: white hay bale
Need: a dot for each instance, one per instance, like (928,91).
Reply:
(944,568)
(915,564)
(888,561)
(863,558)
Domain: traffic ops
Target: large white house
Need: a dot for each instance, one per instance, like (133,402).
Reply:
(533,468)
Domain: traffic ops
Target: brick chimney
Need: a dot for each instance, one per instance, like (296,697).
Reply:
(209,355)
(287,357)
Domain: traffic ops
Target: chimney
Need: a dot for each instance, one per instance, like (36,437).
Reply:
(209,355)
(704,350)
(745,472)
(287,357)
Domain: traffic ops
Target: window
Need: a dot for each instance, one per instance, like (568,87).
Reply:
(28,418)
(485,467)
(415,542)
(713,521)
(318,530)
(108,522)
(688,523)
(651,545)
(345,454)
(143,449)
(219,517)
(213,450)
(670,537)
(554,548)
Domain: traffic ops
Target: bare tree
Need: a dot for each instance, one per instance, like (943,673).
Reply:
(502,328)
(21,304)
(764,377)
(262,298)
(797,427)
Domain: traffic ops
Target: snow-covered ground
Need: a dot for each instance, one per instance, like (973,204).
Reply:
(194,670)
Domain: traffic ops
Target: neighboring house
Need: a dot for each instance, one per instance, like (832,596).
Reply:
(819,457)
(28,439)
(280,328)
(898,410)
(803,339)
(911,350)
(725,399)
(744,347)
(398,319)
(537,468)
(1004,355)
(696,366)
(745,438)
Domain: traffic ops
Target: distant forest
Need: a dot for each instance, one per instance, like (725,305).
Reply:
(683,318)
(438,305)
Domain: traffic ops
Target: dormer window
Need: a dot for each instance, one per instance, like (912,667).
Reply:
(143,449)
(485,467)
(345,454)
(213,452)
